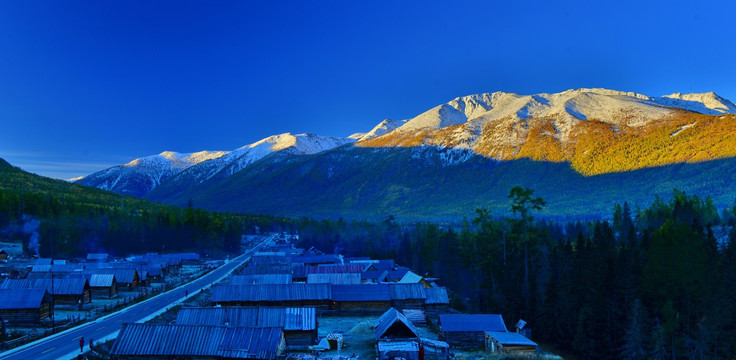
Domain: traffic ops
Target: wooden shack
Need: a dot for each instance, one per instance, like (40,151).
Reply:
(508,343)
(393,325)
(103,285)
(24,306)
(71,290)
(469,330)
(290,295)
(164,341)
(369,298)
(407,296)
(299,323)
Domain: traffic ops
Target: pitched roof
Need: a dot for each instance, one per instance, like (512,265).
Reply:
(271,292)
(260,279)
(334,278)
(361,292)
(101,280)
(316,259)
(472,322)
(510,338)
(21,298)
(407,292)
(334,269)
(196,340)
(436,296)
(70,285)
(394,319)
(410,278)
(290,318)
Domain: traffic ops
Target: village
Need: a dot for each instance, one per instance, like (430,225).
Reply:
(283,303)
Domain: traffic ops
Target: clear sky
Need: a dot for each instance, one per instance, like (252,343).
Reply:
(89,84)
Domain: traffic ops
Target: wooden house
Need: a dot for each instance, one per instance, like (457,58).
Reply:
(299,323)
(314,260)
(509,342)
(393,325)
(70,290)
(398,349)
(24,306)
(164,341)
(103,285)
(407,296)
(469,330)
(437,302)
(127,278)
(368,298)
(434,349)
(291,295)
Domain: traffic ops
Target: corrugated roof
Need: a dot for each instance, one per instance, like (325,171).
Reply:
(334,278)
(16,284)
(21,298)
(270,259)
(196,340)
(123,275)
(271,292)
(334,269)
(510,338)
(407,292)
(401,345)
(71,285)
(265,269)
(290,318)
(260,279)
(388,319)
(316,259)
(362,292)
(436,296)
(101,280)
(472,322)
(43,261)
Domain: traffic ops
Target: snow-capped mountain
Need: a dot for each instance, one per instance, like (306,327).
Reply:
(499,124)
(141,175)
(560,127)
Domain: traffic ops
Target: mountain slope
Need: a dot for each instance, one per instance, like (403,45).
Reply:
(242,157)
(140,176)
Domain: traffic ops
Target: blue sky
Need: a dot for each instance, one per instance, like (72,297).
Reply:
(85,85)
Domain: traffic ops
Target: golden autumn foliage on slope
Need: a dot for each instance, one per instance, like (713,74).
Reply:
(593,147)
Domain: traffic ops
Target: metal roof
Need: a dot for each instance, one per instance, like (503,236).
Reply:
(260,279)
(289,318)
(21,298)
(407,292)
(472,322)
(389,319)
(362,292)
(201,341)
(123,275)
(271,292)
(70,285)
(97,256)
(334,278)
(436,296)
(510,338)
(101,280)
(334,269)
(317,259)
(16,284)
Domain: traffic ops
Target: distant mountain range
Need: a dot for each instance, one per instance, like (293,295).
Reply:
(583,149)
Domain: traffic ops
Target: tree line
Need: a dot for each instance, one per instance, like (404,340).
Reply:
(652,283)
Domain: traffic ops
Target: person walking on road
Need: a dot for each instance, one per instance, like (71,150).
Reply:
(90,344)
(186,293)
(81,344)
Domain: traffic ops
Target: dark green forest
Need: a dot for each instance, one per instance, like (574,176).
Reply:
(68,220)
(651,283)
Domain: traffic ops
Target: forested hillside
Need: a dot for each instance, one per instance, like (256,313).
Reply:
(76,219)
(654,283)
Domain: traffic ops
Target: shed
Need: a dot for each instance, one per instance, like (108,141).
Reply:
(103,285)
(24,306)
(299,323)
(407,296)
(155,341)
(468,330)
(434,349)
(394,325)
(508,342)
(362,297)
(127,278)
(293,295)
(67,290)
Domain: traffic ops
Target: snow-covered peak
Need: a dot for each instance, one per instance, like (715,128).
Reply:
(380,129)
(706,103)
(176,160)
